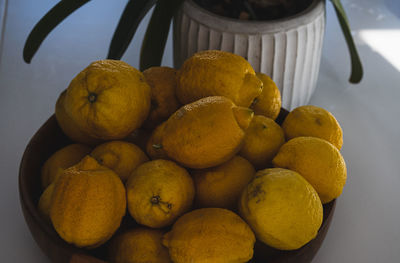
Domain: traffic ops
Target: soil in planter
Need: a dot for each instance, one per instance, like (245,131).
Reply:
(254,9)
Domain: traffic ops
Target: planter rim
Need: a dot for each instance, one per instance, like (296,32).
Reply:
(231,25)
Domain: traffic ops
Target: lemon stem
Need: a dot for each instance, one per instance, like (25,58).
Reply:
(92,97)
(157,146)
(155,199)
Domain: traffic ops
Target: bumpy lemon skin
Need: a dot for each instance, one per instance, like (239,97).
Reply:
(218,73)
(88,204)
(318,161)
(282,208)
(210,235)
(313,121)
(205,133)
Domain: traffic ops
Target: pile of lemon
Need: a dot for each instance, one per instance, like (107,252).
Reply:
(194,156)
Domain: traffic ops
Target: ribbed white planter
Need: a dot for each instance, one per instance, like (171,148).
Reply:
(288,50)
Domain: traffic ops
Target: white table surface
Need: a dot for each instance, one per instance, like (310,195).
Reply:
(366,224)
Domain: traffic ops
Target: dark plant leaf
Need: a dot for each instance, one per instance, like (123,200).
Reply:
(54,17)
(250,9)
(133,14)
(356,66)
(157,32)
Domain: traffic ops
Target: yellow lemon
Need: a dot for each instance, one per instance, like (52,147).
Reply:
(210,235)
(162,81)
(139,245)
(108,99)
(88,203)
(282,208)
(205,133)
(121,157)
(263,139)
(269,102)
(222,185)
(313,121)
(318,161)
(62,159)
(158,192)
(218,73)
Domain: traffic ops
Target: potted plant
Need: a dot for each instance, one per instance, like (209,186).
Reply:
(282,38)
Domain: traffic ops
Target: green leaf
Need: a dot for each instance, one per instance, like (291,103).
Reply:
(54,17)
(157,33)
(133,14)
(356,66)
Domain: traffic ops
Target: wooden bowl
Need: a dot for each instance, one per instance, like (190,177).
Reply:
(47,140)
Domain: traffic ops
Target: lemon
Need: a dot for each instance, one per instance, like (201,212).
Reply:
(221,186)
(282,208)
(121,157)
(318,161)
(210,235)
(88,203)
(262,141)
(218,73)
(313,121)
(205,133)
(108,100)
(269,102)
(158,192)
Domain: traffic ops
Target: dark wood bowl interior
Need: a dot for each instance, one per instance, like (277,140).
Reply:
(50,138)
